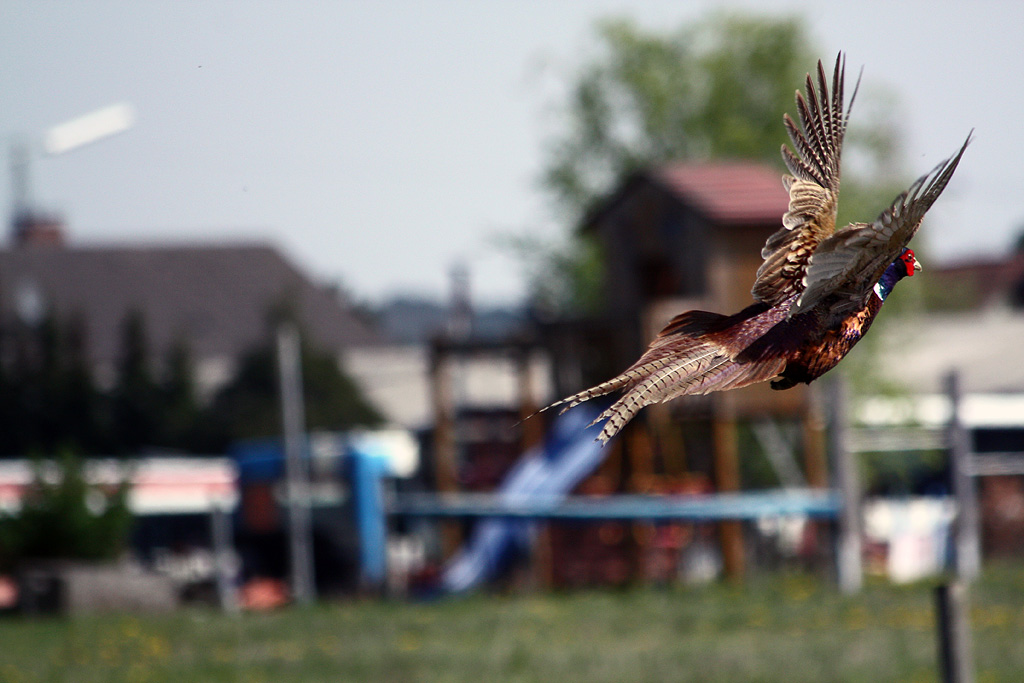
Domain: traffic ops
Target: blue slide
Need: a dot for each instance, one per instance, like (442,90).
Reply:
(568,455)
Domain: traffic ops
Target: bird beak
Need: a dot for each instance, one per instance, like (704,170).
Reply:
(917,266)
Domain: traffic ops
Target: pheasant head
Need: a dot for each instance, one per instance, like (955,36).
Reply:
(905,265)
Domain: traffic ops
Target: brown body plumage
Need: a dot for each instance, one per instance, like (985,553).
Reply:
(816,294)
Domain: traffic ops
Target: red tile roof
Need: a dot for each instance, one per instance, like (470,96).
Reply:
(729,193)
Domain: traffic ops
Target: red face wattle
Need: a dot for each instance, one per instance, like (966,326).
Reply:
(909,261)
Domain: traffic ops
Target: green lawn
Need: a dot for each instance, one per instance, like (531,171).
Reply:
(788,628)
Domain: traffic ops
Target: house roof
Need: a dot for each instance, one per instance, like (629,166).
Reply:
(979,282)
(728,193)
(983,346)
(214,297)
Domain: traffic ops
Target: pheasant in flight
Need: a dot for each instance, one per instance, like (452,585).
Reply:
(816,294)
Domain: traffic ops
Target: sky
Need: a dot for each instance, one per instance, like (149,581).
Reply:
(380,143)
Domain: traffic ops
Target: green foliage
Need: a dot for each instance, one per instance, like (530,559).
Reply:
(249,407)
(47,397)
(567,276)
(136,399)
(49,401)
(898,473)
(63,517)
(181,415)
(715,88)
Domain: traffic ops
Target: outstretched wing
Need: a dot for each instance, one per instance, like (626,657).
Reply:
(813,186)
(849,263)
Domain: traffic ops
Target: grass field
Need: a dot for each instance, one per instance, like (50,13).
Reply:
(786,628)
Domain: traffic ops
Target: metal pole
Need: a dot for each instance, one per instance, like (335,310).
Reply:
(967,540)
(727,479)
(21,160)
(954,633)
(300,528)
(849,570)
(220,523)
(366,471)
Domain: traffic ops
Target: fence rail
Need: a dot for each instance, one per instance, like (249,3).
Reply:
(890,439)
(715,507)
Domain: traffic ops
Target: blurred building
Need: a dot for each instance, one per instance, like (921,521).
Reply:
(220,301)
(974,324)
(216,298)
(973,321)
(978,284)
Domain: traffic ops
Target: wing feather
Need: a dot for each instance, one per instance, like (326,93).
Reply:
(813,186)
(847,265)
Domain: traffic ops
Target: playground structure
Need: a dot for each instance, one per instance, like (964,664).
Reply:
(652,463)
(673,238)
(687,236)
(539,491)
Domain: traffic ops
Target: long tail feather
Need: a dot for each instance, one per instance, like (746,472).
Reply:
(721,373)
(656,358)
(653,390)
(695,354)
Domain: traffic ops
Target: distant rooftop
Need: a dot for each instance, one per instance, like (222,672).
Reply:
(215,297)
(984,346)
(728,192)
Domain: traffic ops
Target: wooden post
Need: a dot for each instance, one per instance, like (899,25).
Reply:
(532,425)
(642,481)
(849,570)
(815,448)
(727,479)
(813,427)
(641,458)
(669,439)
(954,631)
(531,435)
(445,465)
(542,556)
(966,533)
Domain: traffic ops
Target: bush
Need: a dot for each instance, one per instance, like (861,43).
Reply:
(63,517)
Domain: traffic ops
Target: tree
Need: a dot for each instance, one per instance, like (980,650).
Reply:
(716,88)
(78,404)
(249,406)
(136,400)
(180,411)
(63,517)
(47,397)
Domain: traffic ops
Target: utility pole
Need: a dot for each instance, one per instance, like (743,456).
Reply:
(849,550)
(300,528)
(966,535)
(21,183)
(60,139)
